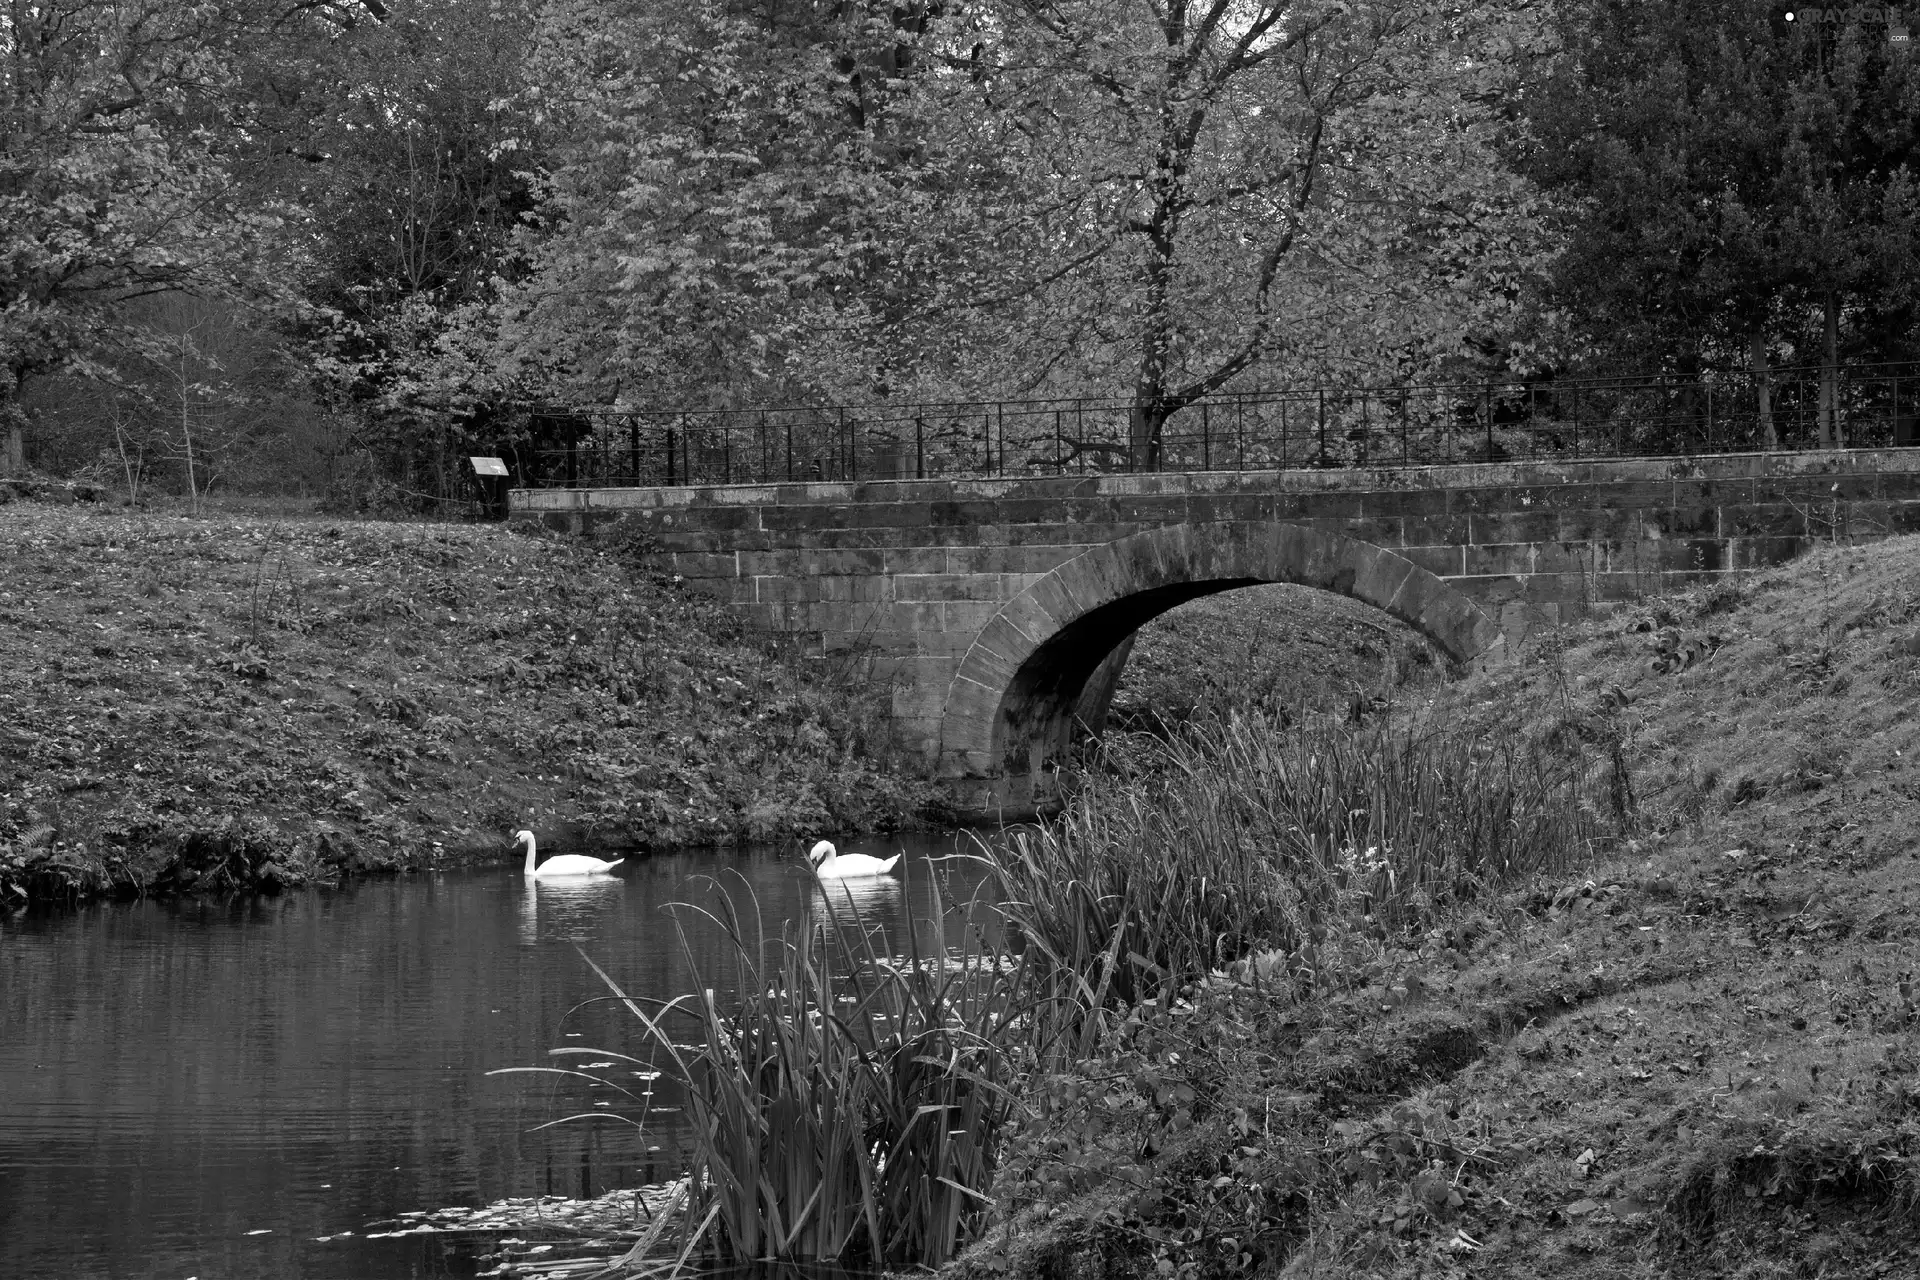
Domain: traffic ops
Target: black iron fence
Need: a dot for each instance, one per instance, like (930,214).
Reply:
(1719,412)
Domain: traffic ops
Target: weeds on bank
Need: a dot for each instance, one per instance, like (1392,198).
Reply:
(1246,837)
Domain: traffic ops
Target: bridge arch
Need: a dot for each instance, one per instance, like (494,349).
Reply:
(1051,655)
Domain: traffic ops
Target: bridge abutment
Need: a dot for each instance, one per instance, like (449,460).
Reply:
(997,611)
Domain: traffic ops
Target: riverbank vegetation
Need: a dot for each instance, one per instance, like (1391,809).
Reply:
(241,702)
(1624,986)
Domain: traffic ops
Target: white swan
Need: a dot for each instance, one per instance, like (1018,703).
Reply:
(567,864)
(830,864)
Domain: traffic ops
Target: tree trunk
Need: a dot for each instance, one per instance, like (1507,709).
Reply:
(13,450)
(1830,433)
(1143,435)
(1762,390)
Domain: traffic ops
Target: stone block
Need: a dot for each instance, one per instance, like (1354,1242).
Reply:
(1763,520)
(1499,558)
(844,539)
(1380,575)
(911,560)
(1490,527)
(1766,551)
(772,589)
(1702,555)
(967,615)
(706,564)
(1150,508)
(1717,492)
(1379,531)
(1018,560)
(950,586)
(1811,490)
(890,515)
(1632,495)
(1563,557)
(1683,522)
(1408,505)
(1446,562)
(911,616)
(1326,506)
(805,517)
(1592,524)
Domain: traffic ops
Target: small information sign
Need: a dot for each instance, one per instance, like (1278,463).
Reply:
(488,466)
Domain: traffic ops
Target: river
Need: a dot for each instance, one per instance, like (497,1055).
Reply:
(204,1088)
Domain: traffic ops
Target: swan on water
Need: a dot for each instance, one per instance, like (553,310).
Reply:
(830,864)
(567,864)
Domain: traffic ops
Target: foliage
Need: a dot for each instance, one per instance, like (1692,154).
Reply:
(1721,175)
(114,175)
(997,197)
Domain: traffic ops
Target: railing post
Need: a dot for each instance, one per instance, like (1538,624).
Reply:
(1000,410)
(853,452)
(789,448)
(669,457)
(573,464)
(1406,453)
(1323,426)
(1283,433)
(633,449)
(1206,440)
(986,443)
(726,451)
(919,447)
(1486,407)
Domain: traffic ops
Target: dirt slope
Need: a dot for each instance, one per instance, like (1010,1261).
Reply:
(245,702)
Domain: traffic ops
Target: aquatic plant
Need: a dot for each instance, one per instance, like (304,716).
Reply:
(846,1106)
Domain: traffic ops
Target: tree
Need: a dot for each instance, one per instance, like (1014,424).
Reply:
(1736,186)
(988,198)
(113,176)
(1193,189)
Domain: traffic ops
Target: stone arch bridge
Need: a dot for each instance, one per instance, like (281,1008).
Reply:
(1001,611)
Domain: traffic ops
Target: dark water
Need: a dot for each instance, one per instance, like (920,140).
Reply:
(199,1089)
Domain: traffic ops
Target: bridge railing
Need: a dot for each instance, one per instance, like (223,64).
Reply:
(1717,412)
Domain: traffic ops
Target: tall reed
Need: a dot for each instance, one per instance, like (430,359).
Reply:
(847,1104)
(1253,834)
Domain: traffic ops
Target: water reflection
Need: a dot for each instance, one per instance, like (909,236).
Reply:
(847,911)
(569,910)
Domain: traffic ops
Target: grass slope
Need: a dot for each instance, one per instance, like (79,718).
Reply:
(241,702)
(1696,1057)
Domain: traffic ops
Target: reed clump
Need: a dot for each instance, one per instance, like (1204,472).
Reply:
(1248,836)
(847,1104)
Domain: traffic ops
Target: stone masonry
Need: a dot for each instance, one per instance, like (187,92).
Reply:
(1000,610)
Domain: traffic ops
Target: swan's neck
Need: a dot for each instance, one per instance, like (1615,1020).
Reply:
(529,855)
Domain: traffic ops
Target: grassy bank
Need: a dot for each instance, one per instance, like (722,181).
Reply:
(244,702)
(1689,1050)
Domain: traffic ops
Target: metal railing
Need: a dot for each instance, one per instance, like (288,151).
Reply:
(1395,426)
